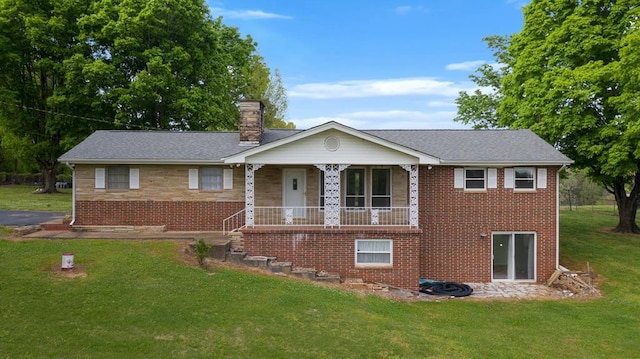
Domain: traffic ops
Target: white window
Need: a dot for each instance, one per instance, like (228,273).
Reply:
(355,196)
(474,178)
(117,177)
(211,178)
(524,178)
(381,188)
(355,191)
(374,252)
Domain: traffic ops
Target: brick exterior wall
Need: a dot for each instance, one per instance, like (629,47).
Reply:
(175,215)
(333,250)
(453,220)
(447,245)
(163,199)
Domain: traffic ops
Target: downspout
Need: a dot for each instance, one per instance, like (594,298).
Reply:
(558,217)
(73,193)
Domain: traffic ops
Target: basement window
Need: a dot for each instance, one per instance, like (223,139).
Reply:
(374,252)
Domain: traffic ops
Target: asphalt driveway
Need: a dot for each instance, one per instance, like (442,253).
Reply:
(27,218)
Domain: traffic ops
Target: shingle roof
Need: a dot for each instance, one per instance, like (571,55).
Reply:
(459,146)
(450,146)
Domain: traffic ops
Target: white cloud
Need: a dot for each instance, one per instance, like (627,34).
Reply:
(389,119)
(465,66)
(247,14)
(376,88)
(406,9)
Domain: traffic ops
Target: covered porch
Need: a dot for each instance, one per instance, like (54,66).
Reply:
(331,176)
(329,196)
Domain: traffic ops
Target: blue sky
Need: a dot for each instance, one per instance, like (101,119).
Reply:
(373,64)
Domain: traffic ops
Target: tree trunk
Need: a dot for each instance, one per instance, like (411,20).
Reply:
(627,208)
(49,175)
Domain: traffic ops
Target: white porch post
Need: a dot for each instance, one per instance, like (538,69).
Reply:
(331,193)
(249,193)
(413,193)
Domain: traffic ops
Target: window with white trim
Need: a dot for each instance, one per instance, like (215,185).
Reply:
(211,178)
(117,177)
(474,178)
(524,178)
(355,189)
(355,194)
(381,188)
(374,252)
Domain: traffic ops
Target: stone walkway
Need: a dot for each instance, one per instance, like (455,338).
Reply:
(487,291)
(510,290)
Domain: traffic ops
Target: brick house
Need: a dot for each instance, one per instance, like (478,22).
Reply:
(386,206)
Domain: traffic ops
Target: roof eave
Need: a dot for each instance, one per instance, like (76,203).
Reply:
(505,163)
(120,161)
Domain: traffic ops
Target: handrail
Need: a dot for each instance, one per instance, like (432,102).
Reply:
(234,222)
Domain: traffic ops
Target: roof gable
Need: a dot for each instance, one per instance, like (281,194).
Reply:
(331,129)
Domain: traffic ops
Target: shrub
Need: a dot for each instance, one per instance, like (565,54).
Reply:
(202,251)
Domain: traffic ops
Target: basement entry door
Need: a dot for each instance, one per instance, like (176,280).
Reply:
(513,256)
(294,192)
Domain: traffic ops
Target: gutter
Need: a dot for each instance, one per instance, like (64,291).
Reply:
(73,193)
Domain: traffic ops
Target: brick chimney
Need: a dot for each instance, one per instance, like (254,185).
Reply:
(251,122)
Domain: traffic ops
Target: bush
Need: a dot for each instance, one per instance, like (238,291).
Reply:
(21,178)
(202,251)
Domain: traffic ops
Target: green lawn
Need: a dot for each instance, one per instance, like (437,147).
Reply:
(24,198)
(140,300)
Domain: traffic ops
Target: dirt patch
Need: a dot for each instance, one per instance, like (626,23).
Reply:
(78,271)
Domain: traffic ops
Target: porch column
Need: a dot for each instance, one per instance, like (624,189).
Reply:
(249,194)
(413,193)
(331,193)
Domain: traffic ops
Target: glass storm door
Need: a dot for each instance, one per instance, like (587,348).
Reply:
(513,256)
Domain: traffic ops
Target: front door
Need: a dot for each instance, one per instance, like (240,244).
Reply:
(513,256)
(294,192)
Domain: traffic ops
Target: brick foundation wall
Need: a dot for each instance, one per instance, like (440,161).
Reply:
(333,250)
(175,215)
(453,220)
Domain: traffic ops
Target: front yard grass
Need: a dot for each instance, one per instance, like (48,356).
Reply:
(24,198)
(140,300)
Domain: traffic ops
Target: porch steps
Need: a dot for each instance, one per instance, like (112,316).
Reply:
(237,242)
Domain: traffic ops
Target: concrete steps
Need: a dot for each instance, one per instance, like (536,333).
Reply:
(281,267)
(120,229)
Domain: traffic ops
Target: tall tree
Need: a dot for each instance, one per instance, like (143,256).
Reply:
(572,76)
(163,64)
(36,37)
(266,86)
(72,66)
(480,107)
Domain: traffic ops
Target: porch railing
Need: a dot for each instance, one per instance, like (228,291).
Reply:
(314,216)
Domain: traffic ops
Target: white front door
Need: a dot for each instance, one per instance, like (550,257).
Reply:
(294,192)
